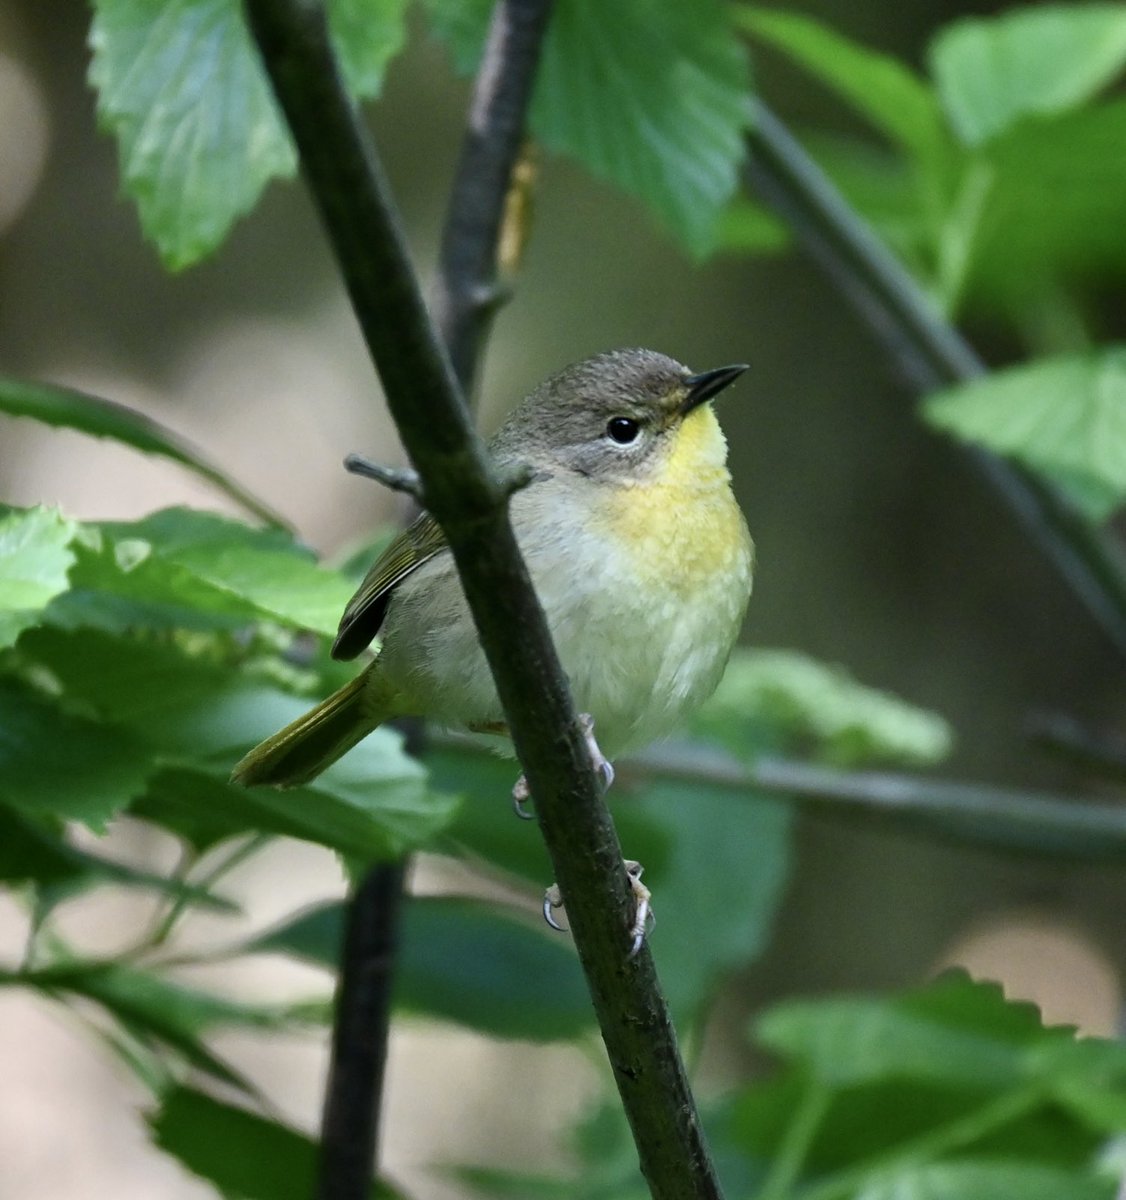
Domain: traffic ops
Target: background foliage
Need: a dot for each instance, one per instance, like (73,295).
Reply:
(141,657)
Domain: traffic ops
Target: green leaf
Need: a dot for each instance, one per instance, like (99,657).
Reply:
(800,700)
(155,1009)
(991,72)
(649,96)
(987,1181)
(182,89)
(196,717)
(1063,417)
(246,1156)
(463,961)
(35,556)
(183,569)
(1045,198)
(889,94)
(54,763)
(29,852)
(67,408)
(748,228)
(953,1031)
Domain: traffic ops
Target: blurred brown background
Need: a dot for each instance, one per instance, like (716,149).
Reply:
(878,548)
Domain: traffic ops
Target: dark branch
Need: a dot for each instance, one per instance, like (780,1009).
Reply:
(350,1127)
(469,502)
(932,353)
(395,478)
(466,295)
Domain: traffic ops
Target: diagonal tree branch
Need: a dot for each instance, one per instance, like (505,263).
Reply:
(466,294)
(933,353)
(466,298)
(469,502)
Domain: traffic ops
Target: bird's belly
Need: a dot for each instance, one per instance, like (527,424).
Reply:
(644,631)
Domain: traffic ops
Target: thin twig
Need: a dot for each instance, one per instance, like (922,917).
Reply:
(466,295)
(469,503)
(933,354)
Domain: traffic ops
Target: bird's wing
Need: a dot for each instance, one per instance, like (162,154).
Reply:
(418,543)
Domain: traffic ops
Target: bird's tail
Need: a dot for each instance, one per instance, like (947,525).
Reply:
(312,743)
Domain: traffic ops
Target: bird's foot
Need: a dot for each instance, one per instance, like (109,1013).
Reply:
(521,793)
(643,918)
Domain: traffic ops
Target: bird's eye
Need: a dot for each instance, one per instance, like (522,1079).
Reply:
(622,430)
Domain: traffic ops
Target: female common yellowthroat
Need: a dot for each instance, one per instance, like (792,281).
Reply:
(637,549)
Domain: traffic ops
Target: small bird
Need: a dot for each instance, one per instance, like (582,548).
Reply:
(637,549)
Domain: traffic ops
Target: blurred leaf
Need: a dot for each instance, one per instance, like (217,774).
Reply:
(897,102)
(246,1156)
(953,1031)
(650,97)
(993,71)
(806,701)
(463,961)
(987,1181)
(54,763)
(35,556)
(67,408)
(1049,195)
(182,89)
(1063,417)
(717,880)
(876,1089)
(748,228)
(150,1007)
(30,852)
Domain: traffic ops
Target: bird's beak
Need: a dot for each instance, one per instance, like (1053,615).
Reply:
(702,387)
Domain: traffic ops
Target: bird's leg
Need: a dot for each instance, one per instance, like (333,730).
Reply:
(521,794)
(643,918)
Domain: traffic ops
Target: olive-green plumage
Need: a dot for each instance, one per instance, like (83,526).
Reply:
(637,549)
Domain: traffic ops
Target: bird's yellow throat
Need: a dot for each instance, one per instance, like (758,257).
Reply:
(685,517)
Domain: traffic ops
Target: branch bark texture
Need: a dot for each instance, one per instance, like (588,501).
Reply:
(932,352)
(470,503)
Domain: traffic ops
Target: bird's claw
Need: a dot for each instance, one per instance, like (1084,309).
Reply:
(643,917)
(521,793)
(552,899)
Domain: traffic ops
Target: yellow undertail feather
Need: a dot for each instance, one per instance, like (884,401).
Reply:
(312,743)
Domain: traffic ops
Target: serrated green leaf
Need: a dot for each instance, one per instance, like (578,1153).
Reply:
(987,1181)
(182,89)
(993,71)
(67,408)
(804,701)
(35,556)
(180,568)
(463,961)
(897,102)
(1063,417)
(953,1032)
(54,763)
(246,1156)
(649,96)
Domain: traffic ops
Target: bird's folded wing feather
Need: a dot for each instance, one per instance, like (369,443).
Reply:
(417,544)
